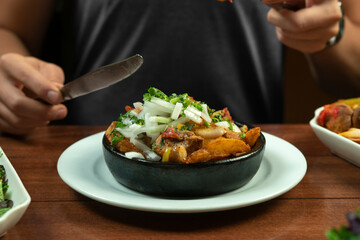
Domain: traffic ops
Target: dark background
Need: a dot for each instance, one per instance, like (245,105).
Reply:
(301,93)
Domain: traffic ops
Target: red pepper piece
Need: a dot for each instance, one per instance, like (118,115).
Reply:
(128,108)
(226,114)
(170,133)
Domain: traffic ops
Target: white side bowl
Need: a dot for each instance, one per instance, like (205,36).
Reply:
(17,193)
(337,144)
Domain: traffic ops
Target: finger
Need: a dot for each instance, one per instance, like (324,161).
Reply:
(14,121)
(315,34)
(12,124)
(50,71)
(32,109)
(22,106)
(306,46)
(317,16)
(16,66)
(31,94)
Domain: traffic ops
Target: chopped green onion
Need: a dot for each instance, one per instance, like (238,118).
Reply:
(217,118)
(116,139)
(159,119)
(230,124)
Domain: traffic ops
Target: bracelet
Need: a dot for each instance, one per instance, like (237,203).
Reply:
(335,39)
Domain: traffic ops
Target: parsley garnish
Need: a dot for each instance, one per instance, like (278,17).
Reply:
(173,98)
(154,92)
(127,119)
(217,118)
(242,134)
(230,124)
(187,127)
(153,146)
(162,142)
(116,139)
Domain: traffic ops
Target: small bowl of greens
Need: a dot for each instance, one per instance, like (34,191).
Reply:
(14,199)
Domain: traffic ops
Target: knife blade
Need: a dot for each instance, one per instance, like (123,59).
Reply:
(101,77)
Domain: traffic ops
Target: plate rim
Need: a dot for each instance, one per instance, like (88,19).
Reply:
(168,207)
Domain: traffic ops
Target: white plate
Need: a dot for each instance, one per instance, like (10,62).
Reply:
(339,145)
(83,168)
(17,193)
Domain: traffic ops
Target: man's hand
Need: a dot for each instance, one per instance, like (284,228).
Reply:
(309,29)
(22,81)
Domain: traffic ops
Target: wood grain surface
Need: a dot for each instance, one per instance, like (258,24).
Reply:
(330,189)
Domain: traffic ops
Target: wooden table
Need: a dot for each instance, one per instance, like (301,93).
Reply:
(330,189)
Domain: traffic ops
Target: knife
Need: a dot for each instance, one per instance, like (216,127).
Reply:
(101,77)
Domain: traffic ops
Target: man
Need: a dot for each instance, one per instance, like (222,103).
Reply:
(225,54)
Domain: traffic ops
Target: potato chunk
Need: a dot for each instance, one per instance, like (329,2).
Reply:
(217,149)
(252,136)
(352,134)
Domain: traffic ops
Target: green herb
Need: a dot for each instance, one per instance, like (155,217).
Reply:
(242,134)
(357,213)
(173,98)
(5,204)
(154,92)
(162,142)
(347,233)
(182,98)
(4,183)
(211,111)
(4,210)
(127,119)
(117,139)
(217,118)
(206,124)
(230,124)
(140,122)
(187,127)
(153,146)
(341,234)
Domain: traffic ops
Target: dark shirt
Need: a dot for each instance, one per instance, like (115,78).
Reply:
(224,54)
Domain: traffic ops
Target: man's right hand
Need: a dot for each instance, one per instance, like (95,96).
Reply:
(22,81)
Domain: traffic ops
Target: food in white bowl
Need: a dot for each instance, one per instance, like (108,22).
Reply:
(342,117)
(336,126)
(15,192)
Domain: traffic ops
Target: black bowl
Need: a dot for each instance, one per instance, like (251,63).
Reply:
(184,180)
